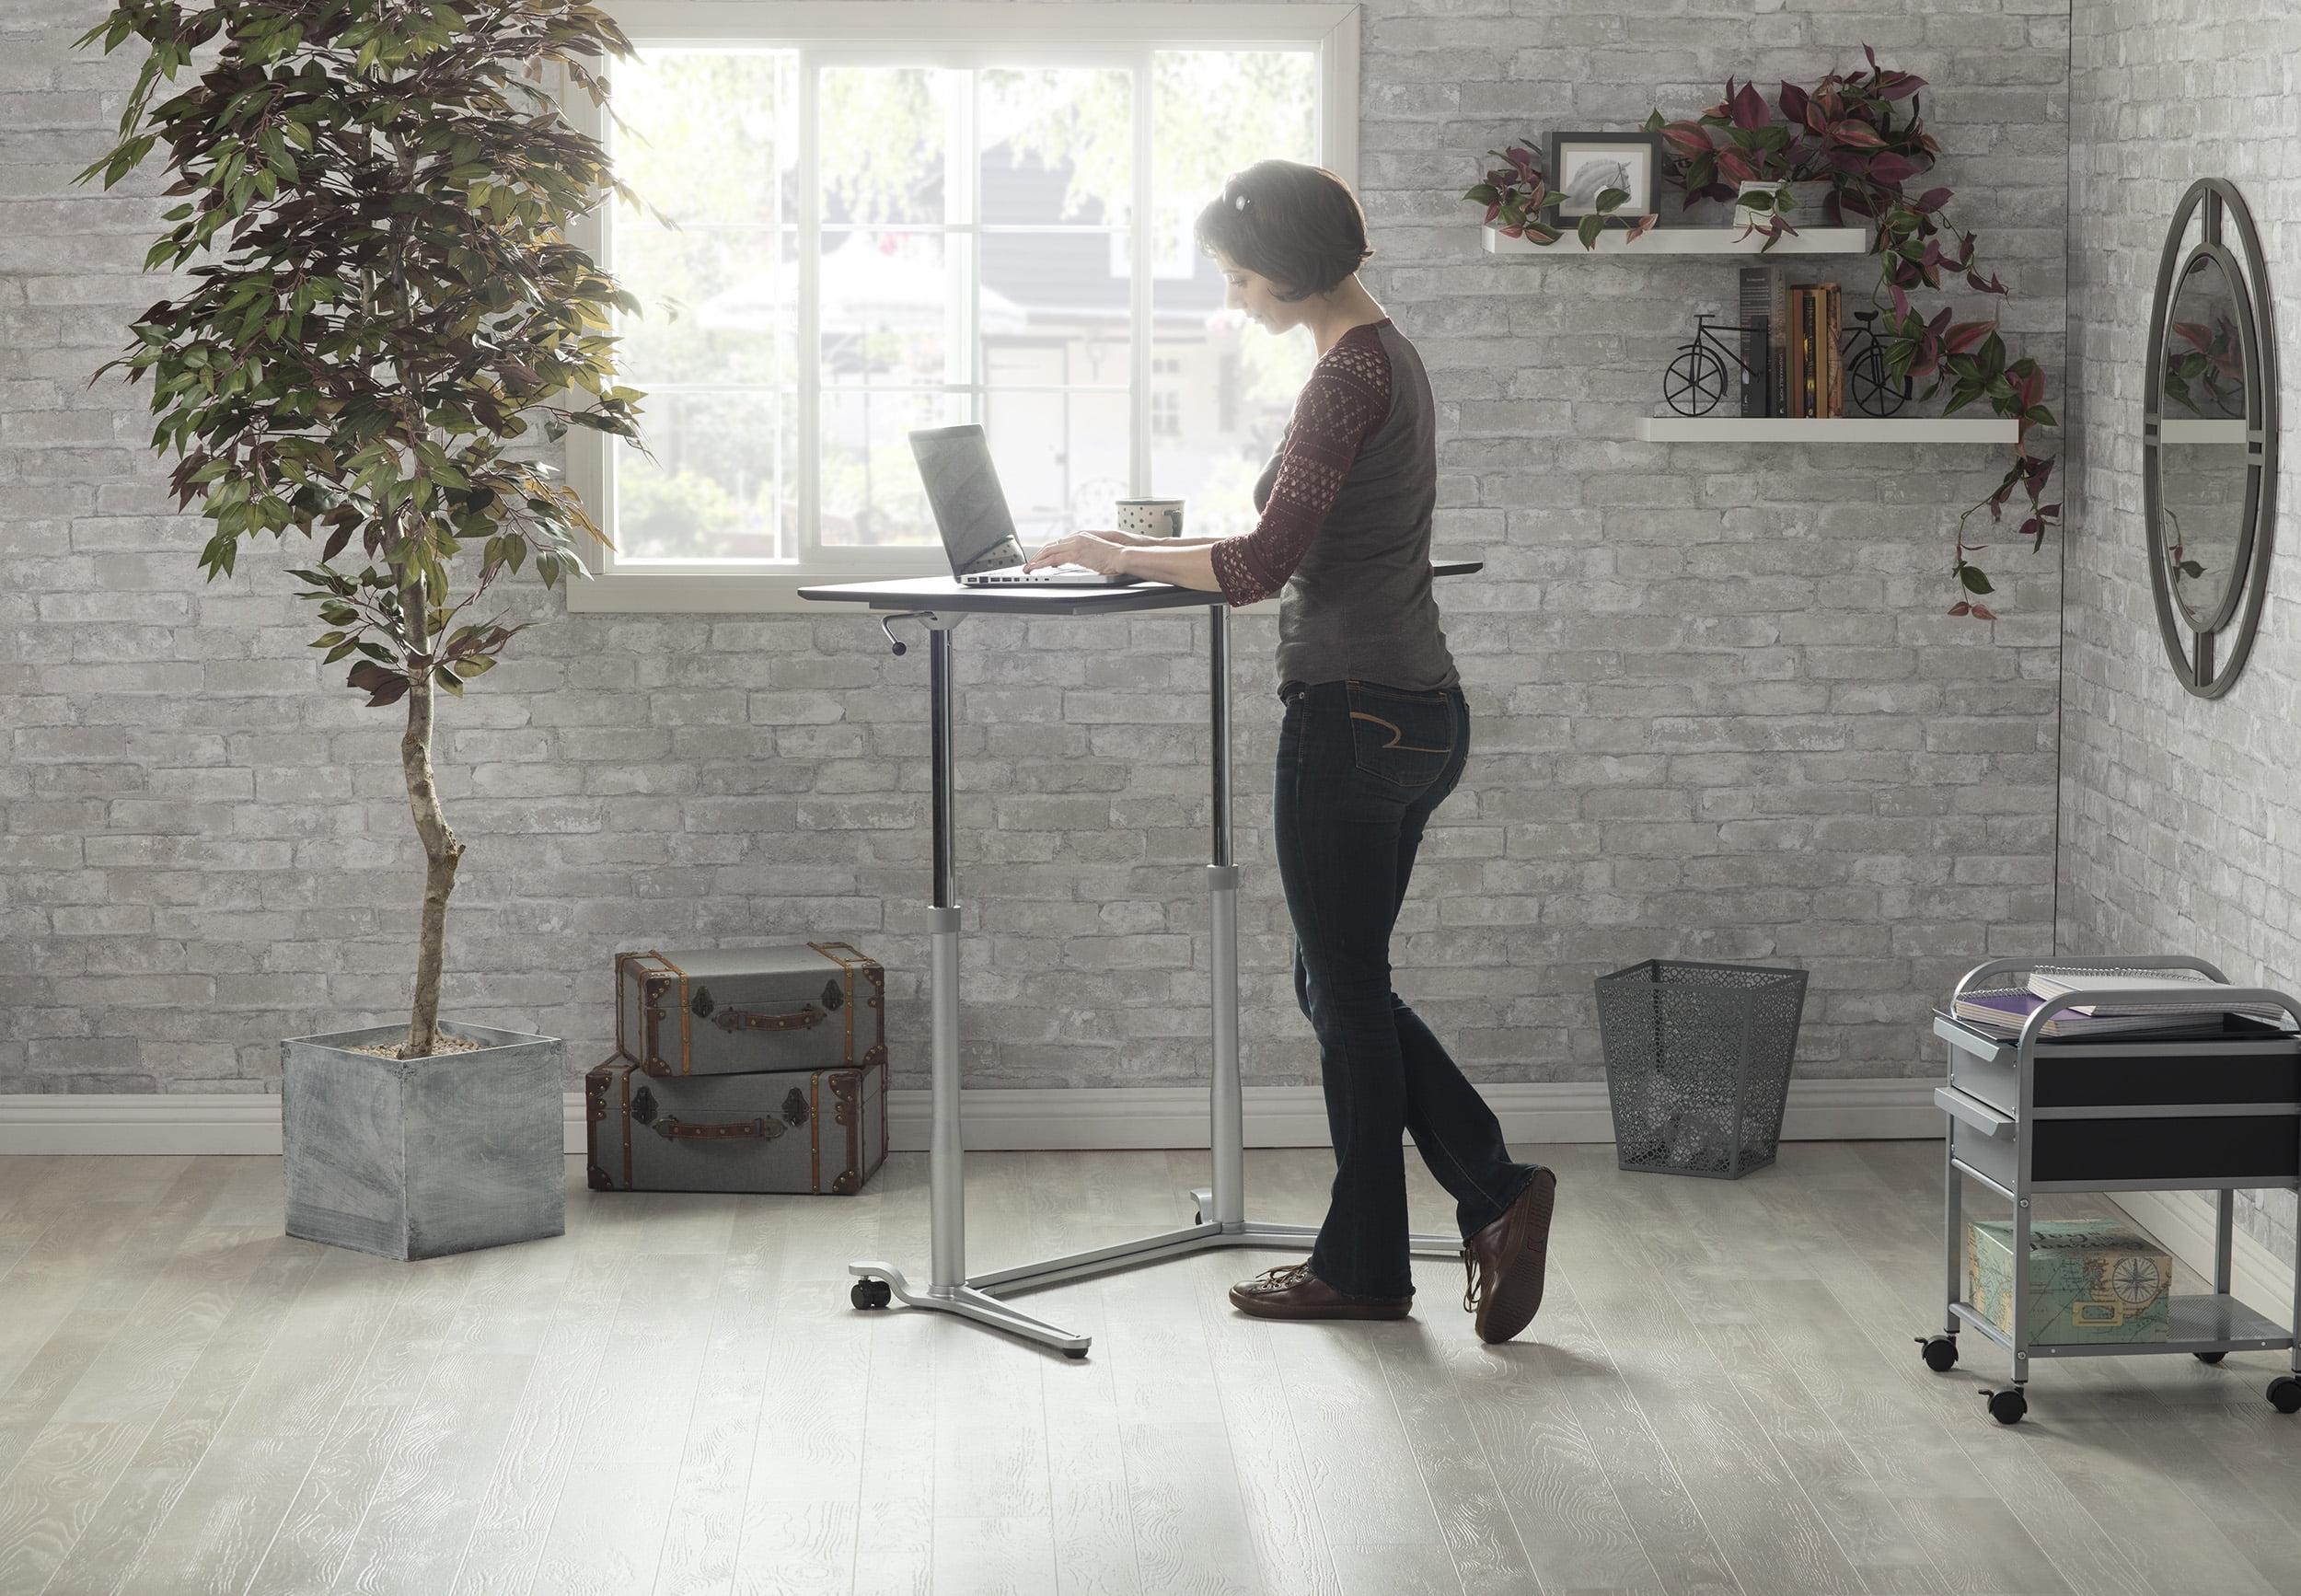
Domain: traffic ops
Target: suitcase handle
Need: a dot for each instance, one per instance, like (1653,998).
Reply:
(733,1018)
(764,1129)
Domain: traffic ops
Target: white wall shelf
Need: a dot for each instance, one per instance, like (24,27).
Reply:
(1689,241)
(1825,430)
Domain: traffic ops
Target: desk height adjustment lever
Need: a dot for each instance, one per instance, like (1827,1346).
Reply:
(887,624)
(934,623)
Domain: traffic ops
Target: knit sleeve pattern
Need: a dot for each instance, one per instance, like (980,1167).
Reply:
(1348,395)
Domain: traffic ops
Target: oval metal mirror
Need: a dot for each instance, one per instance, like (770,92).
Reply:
(2209,438)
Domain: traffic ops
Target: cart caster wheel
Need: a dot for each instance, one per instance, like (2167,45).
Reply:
(2284,1393)
(1074,1352)
(870,1293)
(1941,1352)
(2007,1406)
(2209,1357)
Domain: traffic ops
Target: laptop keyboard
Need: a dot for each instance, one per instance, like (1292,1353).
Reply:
(1049,574)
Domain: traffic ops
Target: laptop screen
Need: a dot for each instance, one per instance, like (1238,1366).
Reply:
(970,510)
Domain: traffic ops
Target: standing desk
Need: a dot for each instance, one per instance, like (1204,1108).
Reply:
(940,603)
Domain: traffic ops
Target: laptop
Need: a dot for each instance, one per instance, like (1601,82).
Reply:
(972,515)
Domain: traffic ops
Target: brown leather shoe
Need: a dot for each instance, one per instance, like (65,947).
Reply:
(1291,1291)
(1503,1265)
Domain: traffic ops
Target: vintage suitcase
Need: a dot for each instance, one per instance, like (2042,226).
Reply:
(819,1130)
(725,1011)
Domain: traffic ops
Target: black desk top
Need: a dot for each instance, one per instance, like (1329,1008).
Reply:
(944,593)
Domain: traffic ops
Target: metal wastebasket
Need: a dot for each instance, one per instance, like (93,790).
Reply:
(1697,1063)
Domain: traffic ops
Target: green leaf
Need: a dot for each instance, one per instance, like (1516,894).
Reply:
(1975,582)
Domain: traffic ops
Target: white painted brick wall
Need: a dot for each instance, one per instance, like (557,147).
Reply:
(2181,816)
(1719,714)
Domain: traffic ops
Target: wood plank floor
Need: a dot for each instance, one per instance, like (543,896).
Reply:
(1722,1394)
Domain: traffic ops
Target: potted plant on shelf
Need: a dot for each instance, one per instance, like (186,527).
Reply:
(382,195)
(1516,194)
(1863,135)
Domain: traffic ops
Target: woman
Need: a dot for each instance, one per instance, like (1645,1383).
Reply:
(1374,737)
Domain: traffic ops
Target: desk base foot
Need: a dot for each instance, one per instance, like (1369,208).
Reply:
(973,1300)
(970,1304)
(1158,1249)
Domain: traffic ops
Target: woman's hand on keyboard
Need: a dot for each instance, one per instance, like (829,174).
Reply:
(1101,551)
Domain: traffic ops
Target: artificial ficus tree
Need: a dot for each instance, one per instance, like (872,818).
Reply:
(380,190)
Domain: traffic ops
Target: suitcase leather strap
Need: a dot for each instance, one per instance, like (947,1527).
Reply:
(733,1018)
(722,1130)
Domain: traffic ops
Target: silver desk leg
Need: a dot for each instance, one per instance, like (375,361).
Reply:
(948,1290)
(1219,1220)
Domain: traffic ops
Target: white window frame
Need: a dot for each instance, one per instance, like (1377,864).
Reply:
(933,32)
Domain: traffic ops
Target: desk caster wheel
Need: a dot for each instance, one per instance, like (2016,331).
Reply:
(2209,1357)
(1074,1352)
(1941,1352)
(870,1293)
(2007,1406)
(2284,1393)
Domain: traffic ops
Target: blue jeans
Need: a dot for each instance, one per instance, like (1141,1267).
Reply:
(1360,768)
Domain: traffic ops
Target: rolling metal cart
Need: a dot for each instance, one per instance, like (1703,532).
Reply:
(2180,1112)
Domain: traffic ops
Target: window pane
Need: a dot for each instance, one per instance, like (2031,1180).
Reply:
(1058,144)
(709,135)
(871,492)
(887,308)
(1215,111)
(1061,458)
(724,483)
(1234,386)
(720,306)
(884,130)
(1056,309)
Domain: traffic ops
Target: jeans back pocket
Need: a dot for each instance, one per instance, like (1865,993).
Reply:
(1402,737)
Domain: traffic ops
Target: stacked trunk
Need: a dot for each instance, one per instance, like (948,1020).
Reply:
(747,1070)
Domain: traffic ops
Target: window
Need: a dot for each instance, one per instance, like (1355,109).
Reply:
(845,238)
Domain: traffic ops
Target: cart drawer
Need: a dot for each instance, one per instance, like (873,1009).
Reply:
(2245,1149)
(2103,1076)
(1994,1156)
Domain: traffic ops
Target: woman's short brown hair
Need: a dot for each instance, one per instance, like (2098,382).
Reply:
(1300,226)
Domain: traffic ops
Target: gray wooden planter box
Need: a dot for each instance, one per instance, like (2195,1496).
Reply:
(415,1158)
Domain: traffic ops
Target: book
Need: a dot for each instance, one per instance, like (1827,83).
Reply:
(1833,341)
(2048,983)
(1808,351)
(1777,342)
(1792,343)
(1756,385)
(2003,1013)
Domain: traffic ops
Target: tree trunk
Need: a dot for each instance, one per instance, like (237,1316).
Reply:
(440,846)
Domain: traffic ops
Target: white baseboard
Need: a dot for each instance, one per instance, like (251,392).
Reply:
(2182,1223)
(1089,1117)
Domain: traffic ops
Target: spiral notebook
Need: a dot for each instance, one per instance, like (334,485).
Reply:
(2003,1013)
